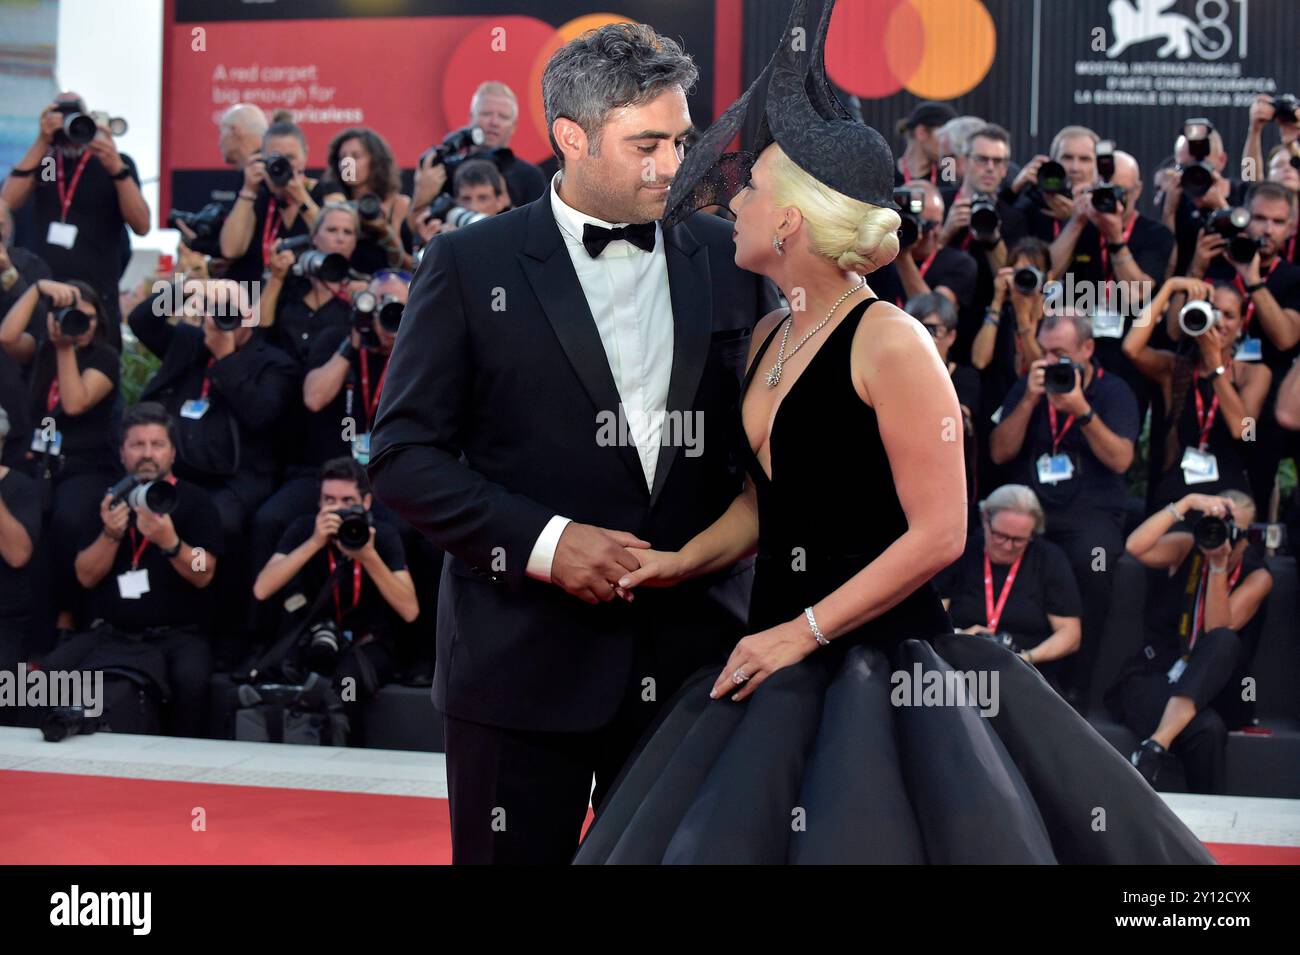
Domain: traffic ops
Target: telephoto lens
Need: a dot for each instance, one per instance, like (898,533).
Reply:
(1052,178)
(1197,317)
(984,218)
(326,266)
(324,644)
(65,721)
(72,321)
(1196,179)
(369,207)
(78,127)
(1106,199)
(1058,376)
(459,217)
(390,314)
(159,497)
(354,528)
(225,321)
(1210,532)
(910,205)
(278,169)
(1027,279)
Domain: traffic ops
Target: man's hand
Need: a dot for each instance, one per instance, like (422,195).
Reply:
(51,123)
(1208,246)
(327,525)
(364,554)
(1035,380)
(158,528)
(254,172)
(1059,206)
(426,226)
(114,518)
(281,262)
(590,560)
(1261,112)
(1072,402)
(430,177)
(958,219)
(105,150)
(1249,271)
(219,343)
(1028,175)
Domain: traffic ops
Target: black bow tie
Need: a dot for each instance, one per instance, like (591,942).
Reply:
(595,238)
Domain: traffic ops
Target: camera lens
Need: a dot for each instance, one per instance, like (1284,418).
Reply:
(1052,177)
(354,528)
(1242,248)
(326,266)
(79,128)
(390,316)
(1196,318)
(369,207)
(72,321)
(984,219)
(1210,532)
(1058,378)
(1196,181)
(278,169)
(1027,279)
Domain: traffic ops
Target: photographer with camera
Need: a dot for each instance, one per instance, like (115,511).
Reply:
(147,562)
(924,264)
(478,190)
(495,110)
(922,154)
(1265,110)
(1123,254)
(82,209)
(954,148)
(1013,585)
(1007,342)
(1047,185)
(1068,430)
(1195,187)
(361,169)
(19,268)
(361,562)
(1183,691)
(277,201)
(20,531)
(309,293)
(1211,399)
(58,330)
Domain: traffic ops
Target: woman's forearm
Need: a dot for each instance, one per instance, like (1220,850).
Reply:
(1064,641)
(731,538)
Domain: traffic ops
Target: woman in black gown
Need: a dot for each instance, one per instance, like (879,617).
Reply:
(819,739)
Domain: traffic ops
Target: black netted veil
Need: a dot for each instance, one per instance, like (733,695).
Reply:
(801,112)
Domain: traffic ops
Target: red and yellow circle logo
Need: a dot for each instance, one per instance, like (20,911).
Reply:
(935,49)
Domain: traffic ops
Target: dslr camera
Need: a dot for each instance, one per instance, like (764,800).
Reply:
(354,527)
(367,308)
(458,140)
(370,207)
(160,497)
(1198,176)
(1027,279)
(81,128)
(445,208)
(1107,197)
(1284,108)
(984,218)
(1197,317)
(279,170)
(205,223)
(1058,376)
(72,321)
(1232,225)
(312,263)
(911,204)
(1052,178)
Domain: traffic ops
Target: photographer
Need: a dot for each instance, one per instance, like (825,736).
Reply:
(920,130)
(239,137)
(297,308)
(147,573)
(1183,692)
(1270,331)
(1071,443)
(928,265)
(74,375)
(361,169)
(20,530)
(997,222)
(1262,112)
(19,268)
(367,601)
(478,187)
(82,209)
(1195,187)
(348,363)
(495,110)
(1047,202)
(1123,254)
(954,148)
(1007,343)
(277,201)
(1211,399)
(1013,582)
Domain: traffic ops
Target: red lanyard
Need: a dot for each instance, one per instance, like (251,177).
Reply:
(356,587)
(207,383)
(144,542)
(1051,416)
(1105,255)
(1056,229)
(1250,300)
(371,406)
(52,398)
(1198,617)
(934,172)
(1204,421)
(992,612)
(1290,250)
(270,229)
(925,266)
(65,198)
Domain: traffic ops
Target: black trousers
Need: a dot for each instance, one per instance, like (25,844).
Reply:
(1202,745)
(1080,532)
(520,797)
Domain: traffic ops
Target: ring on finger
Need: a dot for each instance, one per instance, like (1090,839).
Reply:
(739,676)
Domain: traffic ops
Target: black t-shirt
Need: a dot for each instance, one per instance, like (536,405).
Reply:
(1092,484)
(363,611)
(524,181)
(21,496)
(91,432)
(1044,585)
(249,266)
(950,267)
(101,245)
(297,326)
(365,381)
(1189,220)
(15,399)
(1283,283)
(30,268)
(966,382)
(1170,599)
(172,601)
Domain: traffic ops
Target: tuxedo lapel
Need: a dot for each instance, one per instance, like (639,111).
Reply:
(546,264)
(692,299)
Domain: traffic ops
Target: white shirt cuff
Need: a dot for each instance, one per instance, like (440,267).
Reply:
(539,561)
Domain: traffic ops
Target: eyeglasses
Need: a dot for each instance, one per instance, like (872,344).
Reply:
(1007,539)
(935,330)
(979,160)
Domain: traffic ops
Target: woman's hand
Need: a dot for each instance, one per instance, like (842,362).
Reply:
(281,262)
(1207,504)
(759,655)
(59,294)
(975,628)
(659,568)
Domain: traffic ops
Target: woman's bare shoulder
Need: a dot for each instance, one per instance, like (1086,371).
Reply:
(887,340)
(763,329)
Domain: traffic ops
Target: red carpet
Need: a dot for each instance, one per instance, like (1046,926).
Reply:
(61,819)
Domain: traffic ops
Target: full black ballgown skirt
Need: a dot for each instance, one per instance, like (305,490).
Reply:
(819,764)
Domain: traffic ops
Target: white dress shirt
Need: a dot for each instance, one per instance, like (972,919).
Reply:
(627,291)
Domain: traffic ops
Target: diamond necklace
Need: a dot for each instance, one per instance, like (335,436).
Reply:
(774,375)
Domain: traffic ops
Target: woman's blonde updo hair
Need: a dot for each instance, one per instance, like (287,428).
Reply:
(855,235)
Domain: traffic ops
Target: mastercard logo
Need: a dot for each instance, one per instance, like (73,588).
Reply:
(934,49)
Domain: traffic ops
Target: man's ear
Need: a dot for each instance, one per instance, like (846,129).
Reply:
(571,138)
(367,500)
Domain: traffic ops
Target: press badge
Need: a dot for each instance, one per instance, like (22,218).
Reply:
(41,446)
(195,408)
(1199,467)
(1177,669)
(1107,325)
(62,234)
(1054,467)
(133,584)
(361,448)
(1250,349)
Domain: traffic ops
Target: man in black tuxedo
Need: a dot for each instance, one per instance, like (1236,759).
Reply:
(561,396)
